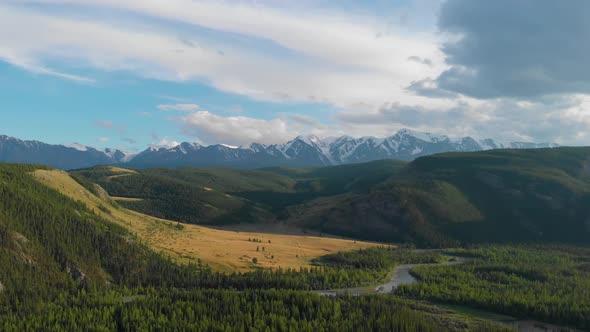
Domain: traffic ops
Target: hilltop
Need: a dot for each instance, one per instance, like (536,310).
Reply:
(447,199)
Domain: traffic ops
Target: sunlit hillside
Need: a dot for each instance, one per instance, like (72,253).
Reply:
(222,250)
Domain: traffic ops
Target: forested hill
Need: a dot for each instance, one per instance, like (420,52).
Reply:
(495,196)
(440,200)
(217,196)
(64,268)
(50,243)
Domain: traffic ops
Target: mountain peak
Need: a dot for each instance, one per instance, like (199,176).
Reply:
(77,146)
(309,139)
(424,136)
(256,147)
(186,146)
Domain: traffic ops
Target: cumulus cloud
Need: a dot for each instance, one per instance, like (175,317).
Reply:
(424,61)
(522,49)
(541,120)
(178,107)
(429,88)
(165,143)
(235,130)
(390,117)
(502,119)
(412,116)
(304,120)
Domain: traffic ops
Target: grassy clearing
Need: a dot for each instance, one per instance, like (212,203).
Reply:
(121,170)
(126,199)
(222,250)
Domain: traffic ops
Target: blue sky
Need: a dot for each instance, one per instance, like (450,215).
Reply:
(128,74)
(120,107)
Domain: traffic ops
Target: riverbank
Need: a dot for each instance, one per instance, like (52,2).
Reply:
(401,275)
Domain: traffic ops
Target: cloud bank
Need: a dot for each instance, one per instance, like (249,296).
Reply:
(521,49)
(512,70)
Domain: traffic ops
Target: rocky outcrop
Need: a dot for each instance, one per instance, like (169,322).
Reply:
(75,271)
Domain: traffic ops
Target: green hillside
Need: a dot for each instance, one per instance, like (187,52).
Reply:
(447,199)
(213,196)
(50,244)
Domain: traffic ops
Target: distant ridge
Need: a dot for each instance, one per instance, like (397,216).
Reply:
(311,150)
(302,151)
(14,150)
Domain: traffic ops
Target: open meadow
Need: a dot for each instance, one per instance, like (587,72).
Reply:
(222,250)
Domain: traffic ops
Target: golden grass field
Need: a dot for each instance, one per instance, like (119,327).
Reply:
(223,250)
(122,170)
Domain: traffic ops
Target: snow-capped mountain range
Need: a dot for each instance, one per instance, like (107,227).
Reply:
(301,151)
(14,150)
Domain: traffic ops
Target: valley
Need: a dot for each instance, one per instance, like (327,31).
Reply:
(222,250)
(502,284)
(434,201)
(69,264)
(132,242)
(294,166)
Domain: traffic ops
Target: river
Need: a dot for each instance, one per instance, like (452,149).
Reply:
(401,276)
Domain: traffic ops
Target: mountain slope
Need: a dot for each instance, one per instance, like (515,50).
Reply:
(216,196)
(504,195)
(222,250)
(51,245)
(13,150)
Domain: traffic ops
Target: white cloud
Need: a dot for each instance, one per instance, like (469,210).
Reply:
(351,62)
(178,107)
(235,130)
(103,139)
(501,119)
(338,59)
(504,120)
(20,60)
(165,143)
